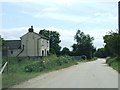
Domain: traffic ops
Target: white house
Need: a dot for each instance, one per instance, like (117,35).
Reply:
(31,44)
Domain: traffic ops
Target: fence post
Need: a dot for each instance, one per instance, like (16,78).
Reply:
(3,67)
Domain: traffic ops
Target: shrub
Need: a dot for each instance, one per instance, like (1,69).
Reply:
(114,63)
(47,63)
(36,67)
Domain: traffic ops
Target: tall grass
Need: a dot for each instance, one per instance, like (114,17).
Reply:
(114,62)
(23,69)
(16,72)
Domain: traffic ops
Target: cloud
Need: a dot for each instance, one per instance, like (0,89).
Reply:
(43,1)
(13,33)
(104,17)
(103,14)
(50,13)
(25,12)
(50,9)
(87,15)
(97,14)
(59,1)
(66,1)
(61,16)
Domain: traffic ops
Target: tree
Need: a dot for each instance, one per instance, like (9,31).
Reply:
(54,38)
(84,45)
(112,41)
(65,51)
(101,53)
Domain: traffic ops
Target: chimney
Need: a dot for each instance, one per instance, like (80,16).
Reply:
(31,29)
(119,17)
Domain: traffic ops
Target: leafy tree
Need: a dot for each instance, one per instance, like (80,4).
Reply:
(54,38)
(112,41)
(84,45)
(101,53)
(65,51)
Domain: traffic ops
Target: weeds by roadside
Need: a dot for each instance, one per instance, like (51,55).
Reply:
(114,62)
(93,59)
(24,69)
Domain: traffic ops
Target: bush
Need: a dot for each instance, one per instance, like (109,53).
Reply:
(36,67)
(114,63)
(47,63)
(84,57)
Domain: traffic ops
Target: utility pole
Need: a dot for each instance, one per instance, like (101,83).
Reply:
(119,17)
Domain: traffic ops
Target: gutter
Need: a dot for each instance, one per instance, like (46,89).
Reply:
(20,51)
(37,47)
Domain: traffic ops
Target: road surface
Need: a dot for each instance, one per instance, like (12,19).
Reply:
(95,74)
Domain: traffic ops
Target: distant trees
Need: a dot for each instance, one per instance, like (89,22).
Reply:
(54,38)
(84,45)
(112,46)
(112,41)
(101,53)
(65,51)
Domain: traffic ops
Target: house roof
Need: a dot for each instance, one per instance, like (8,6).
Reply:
(31,30)
(41,36)
(37,35)
(13,44)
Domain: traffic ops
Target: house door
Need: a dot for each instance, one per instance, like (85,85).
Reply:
(42,52)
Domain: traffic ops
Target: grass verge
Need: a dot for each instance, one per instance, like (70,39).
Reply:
(114,62)
(20,70)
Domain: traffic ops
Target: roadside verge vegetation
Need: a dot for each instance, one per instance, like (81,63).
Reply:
(114,62)
(112,49)
(22,69)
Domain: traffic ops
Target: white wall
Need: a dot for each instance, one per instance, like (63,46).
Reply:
(44,46)
(33,45)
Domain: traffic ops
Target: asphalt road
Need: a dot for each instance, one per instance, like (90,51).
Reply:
(95,74)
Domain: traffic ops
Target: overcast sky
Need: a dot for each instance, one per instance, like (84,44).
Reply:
(64,16)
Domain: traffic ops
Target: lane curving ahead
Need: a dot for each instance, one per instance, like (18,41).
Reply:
(95,74)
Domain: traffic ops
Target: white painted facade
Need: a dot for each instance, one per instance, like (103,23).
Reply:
(32,44)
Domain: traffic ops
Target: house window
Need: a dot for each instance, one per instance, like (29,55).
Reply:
(11,51)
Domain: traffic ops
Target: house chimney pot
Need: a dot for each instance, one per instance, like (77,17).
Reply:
(31,29)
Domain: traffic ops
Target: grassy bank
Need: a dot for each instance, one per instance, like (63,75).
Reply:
(20,70)
(114,62)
